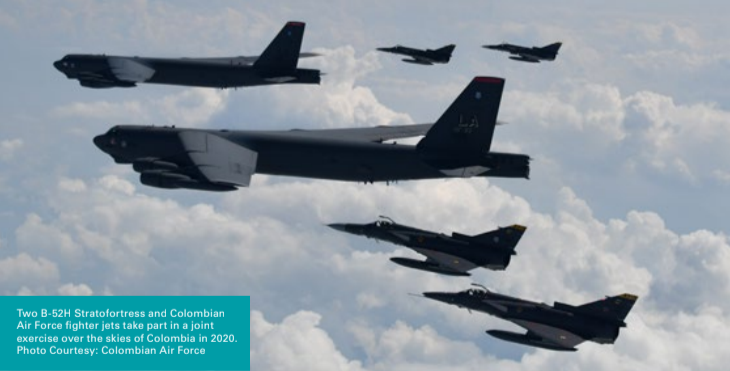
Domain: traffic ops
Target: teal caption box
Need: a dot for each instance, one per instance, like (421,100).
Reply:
(125,332)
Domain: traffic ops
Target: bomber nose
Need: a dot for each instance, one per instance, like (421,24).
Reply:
(100,141)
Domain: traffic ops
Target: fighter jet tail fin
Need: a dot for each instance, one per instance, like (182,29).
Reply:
(282,54)
(448,49)
(467,126)
(505,238)
(617,307)
(552,48)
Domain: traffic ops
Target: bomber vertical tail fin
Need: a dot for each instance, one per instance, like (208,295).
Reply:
(282,54)
(468,124)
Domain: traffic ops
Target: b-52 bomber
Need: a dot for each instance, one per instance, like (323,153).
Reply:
(559,327)
(277,65)
(533,54)
(425,57)
(453,255)
(457,145)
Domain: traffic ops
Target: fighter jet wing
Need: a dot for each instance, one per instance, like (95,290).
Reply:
(219,160)
(372,134)
(450,262)
(416,60)
(549,334)
(525,58)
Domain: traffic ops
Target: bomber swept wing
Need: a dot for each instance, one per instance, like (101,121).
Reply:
(377,134)
(209,162)
(371,134)
(219,160)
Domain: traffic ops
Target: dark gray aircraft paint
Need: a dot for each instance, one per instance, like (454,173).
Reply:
(277,65)
(420,56)
(558,327)
(453,255)
(533,54)
(457,145)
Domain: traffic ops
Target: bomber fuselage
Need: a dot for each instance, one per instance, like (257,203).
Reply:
(288,153)
(95,71)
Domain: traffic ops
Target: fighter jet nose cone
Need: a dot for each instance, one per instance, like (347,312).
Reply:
(440,296)
(338,227)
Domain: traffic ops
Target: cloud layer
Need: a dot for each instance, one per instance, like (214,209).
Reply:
(628,192)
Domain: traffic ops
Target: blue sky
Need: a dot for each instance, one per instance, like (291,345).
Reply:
(628,131)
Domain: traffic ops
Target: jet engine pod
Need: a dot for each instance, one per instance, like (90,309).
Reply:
(102,84)
(169,180)
(151,165)
(162,180)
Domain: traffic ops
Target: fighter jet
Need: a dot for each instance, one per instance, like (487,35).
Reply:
(534,54)
(425,57)
(277,65)
(558,327)
(457,145)
(453,255)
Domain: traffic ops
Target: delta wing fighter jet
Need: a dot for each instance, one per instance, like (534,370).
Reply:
(533,54)
(277,65)
(453,255)
(425,57)
(558,327)
(457,145)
